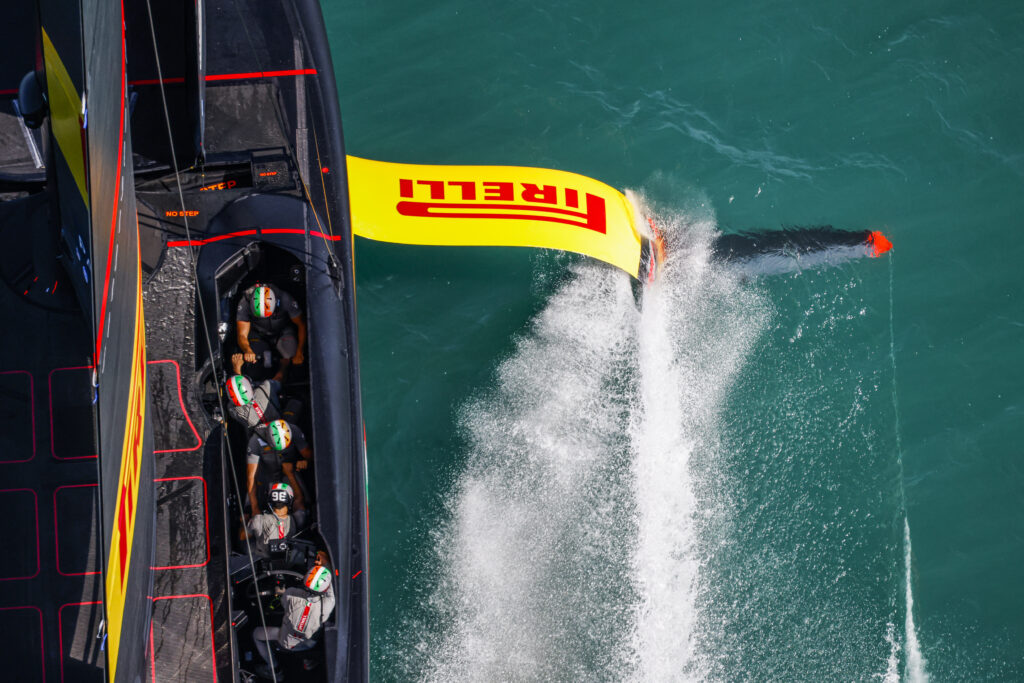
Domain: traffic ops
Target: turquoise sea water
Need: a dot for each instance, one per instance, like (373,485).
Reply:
(746,479)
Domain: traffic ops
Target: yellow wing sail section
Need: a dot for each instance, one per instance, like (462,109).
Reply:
(493,206)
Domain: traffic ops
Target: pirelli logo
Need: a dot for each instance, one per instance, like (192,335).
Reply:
(131,462)
(501,200)
(493,206)
(119,561)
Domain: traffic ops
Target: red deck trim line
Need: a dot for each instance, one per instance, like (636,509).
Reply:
(213,644)
(283,231)
(60,630)
(49,385)
(56,536)
(222,77)
(35,507)
(199,440)
(249,233)
(217,238)
(231,77)
(9,91)
(32,410)
(206,518)
(274,74)
(156,81)
(116,209)
(42,645)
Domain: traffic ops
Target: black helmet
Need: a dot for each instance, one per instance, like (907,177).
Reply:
(281,495)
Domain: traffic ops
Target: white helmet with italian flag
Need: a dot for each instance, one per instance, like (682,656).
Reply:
(239,390)
(264,301)
(280,434)
(318,579)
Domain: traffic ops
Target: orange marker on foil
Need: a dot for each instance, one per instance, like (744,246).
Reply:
(877,243)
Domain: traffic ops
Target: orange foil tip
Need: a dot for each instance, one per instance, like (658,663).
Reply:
(659,242)
(878,243)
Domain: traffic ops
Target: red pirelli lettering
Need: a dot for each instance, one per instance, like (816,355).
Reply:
(495,200)
(593,218)
(468,189)
(502,192)
(436,188)
(122,532)
(548,194)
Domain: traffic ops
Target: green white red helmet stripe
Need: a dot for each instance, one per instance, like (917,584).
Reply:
(281,486)
(280,434)
(263,301)
(239,390)
(318,579)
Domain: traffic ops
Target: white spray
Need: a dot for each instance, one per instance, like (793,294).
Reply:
(696,328)
(571,548)
(570,552)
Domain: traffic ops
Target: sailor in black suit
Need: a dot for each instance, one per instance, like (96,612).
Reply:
(276,449)
(268,317)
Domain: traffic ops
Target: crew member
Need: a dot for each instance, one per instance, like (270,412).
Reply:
(306,609)
(269,317)
(252,406)
(277,524)
(275,449)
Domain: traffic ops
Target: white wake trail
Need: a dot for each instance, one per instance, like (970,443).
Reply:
(697,327)
(915,670)
(570,549)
